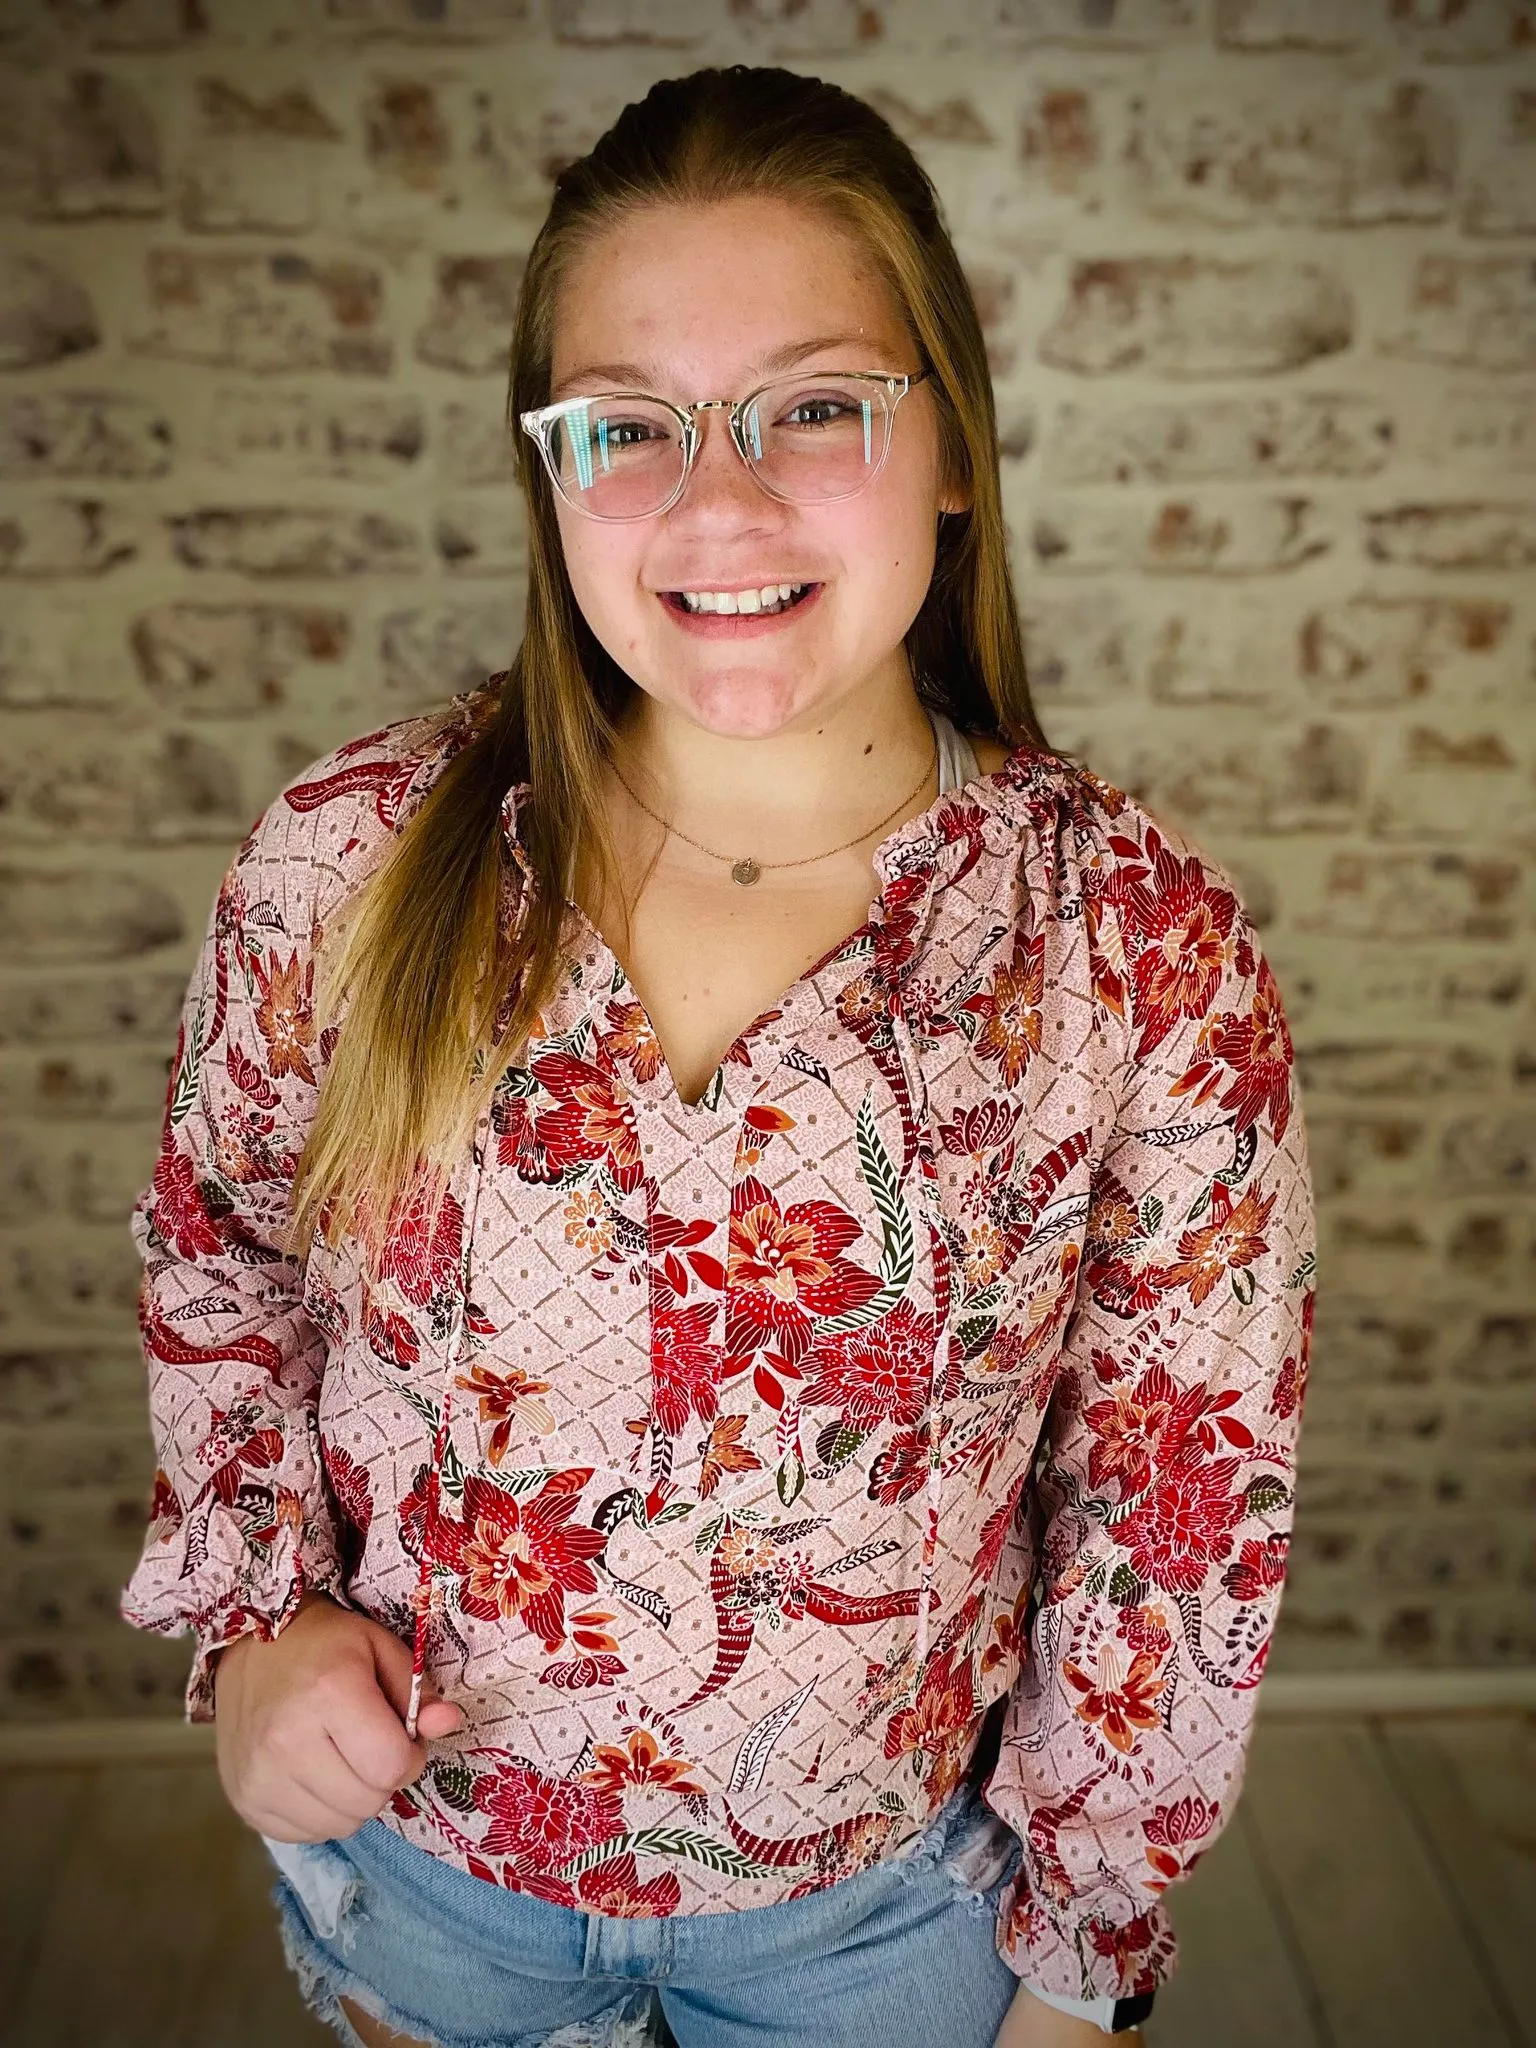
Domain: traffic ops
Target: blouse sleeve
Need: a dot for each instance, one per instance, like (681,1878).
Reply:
(1167,1457)
(239,1525)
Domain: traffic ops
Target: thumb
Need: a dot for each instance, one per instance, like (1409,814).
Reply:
(438,1718)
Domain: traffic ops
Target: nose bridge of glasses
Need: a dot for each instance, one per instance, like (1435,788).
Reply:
(743,433)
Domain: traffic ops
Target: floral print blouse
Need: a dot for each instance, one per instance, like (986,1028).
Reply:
(727,1461)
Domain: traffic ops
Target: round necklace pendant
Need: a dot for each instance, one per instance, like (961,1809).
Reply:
(746,872)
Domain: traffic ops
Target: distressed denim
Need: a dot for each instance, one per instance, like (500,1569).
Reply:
(903,1955)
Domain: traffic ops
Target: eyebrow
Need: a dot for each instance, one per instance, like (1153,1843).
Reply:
(640,374)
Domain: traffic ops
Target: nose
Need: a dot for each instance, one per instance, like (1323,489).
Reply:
(720,483)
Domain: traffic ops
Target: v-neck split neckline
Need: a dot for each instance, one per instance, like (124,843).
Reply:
(737,1077)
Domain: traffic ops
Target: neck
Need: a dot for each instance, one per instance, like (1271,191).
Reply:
(780,795)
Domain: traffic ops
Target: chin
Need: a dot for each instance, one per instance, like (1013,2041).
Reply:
(741,707)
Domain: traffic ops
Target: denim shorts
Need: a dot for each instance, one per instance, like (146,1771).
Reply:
(903,1955)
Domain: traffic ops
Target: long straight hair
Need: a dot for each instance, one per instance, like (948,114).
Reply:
(441,983)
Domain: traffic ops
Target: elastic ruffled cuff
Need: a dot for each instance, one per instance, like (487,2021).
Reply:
(218,1613)
(1087,1956)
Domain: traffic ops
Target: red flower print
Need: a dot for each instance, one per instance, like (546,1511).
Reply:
(899,1471)
(424,1243)
(349,1485)
(1170,1830)
(1125,1942)
(543,1823)
(1289,1391)
(1260,1567)
(1185,1524)
(285,1015)
(1010,1010)
(1145,1628)
(937,1721)
(878,1374)
(1132,1430)
(593,1118)
(614,1887)
(685,1366)
(411,1514)
(980,1128)
(519,1559)
(1184,922)
(516,1124)
(390,1336)
(784,1268)
(1256,1051)
(582,1674)
(180,1214)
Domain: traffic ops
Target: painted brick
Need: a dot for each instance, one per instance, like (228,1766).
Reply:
(1472,312)
(46,314)
(1262,331)
(280,312)
(234,660)
(1306,153)
(1197,317)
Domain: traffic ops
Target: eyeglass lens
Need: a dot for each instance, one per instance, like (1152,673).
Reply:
(809,439)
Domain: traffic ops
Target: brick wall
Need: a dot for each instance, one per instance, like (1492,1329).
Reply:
(1259,278)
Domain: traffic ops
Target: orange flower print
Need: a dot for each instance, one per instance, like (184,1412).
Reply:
(506,1397)
(725,1452)
(639,1763)
(1233,1238)
(630,1038)
(1117,1704)
(285,1015)
(1010,1010)
(586,1222)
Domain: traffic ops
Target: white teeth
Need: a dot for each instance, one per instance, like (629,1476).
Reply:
(769,598)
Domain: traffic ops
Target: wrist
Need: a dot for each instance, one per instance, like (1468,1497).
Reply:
(239,1645)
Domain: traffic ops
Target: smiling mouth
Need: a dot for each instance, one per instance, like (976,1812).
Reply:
(798,594)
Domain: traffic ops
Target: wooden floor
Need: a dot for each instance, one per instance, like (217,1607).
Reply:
(1376,1888)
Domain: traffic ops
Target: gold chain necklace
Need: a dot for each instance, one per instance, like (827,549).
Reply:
(746,870)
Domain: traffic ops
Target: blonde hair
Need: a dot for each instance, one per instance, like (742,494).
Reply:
(440,980)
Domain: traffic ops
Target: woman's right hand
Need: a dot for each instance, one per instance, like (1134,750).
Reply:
(310,1727)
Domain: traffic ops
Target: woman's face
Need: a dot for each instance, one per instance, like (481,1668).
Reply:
(696,300)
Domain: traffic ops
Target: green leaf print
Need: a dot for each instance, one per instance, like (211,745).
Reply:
(722,1856)
(184,1093)
(897,1251)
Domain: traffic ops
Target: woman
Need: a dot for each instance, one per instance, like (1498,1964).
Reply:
(726,1445)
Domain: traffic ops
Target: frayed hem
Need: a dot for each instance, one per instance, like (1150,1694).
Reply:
(976,1851)
(323,1983)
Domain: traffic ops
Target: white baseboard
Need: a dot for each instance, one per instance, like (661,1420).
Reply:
(1282,1694)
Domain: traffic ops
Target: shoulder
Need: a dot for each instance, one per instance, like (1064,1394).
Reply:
(322,833)
(1126,852)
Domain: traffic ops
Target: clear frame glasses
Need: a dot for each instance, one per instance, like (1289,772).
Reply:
(807,438)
